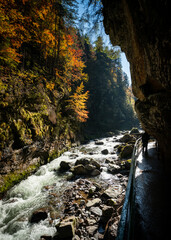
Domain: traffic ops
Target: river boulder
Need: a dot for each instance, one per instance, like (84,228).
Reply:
(93,203)
(113,168)
(105,152)
(66,228)
(83,161)
(79,170)
(126,151)
(112,192)
(95,172)
(127,138)
(64,166)
(134,131)
(95,163)
(38,215)
(99,143)
(107,212)
(86,166)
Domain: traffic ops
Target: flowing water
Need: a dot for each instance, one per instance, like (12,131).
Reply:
(27,196)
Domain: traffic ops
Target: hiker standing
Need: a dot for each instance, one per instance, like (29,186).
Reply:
(145,138)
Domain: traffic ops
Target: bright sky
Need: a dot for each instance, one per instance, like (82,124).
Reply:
(126,66)
(125,63)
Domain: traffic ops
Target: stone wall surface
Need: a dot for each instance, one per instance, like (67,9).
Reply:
(142,29)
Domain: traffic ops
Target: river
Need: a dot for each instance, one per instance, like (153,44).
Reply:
(31,194)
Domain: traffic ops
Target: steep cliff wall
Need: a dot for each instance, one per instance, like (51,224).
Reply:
(142,29)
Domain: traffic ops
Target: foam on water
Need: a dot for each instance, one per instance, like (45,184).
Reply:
(28,195)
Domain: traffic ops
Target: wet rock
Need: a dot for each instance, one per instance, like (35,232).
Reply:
(46,237)
(64,166)
(99,143)
(109,161)
(111,202)
(66,228)
(83,161)
(89,168)
(126,164)
(91,221)
(70,177)
(119,147)
(112,192)
(79,170)
(82,202)
(127,138)
(105,152)
(86,166)
(93,203)
(113,168)
(96,211)
(107,212)
(95,172)
(92,229)
(95,163)
(73,156)
(38,215)
(126,151)
(91,190)
(111,232)
(134,131)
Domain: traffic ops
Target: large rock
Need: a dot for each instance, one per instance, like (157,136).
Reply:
(107,212)
(83,161)
(38,215)
(113,168)
(93,203)
(127,138)
(86,166)
(126,152)
(79,170)
(92,229)
(105,152)
(66,228)
(95,163)
(99,143)
(95,172)
(112,192)
(64,166)
(96,211)
(89,168)
(134,131)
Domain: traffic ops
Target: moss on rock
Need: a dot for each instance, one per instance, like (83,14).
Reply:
(126,151)
(9,180)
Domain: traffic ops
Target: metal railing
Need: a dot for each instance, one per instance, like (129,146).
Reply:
(126,225)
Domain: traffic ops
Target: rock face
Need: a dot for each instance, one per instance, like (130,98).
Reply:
(141,28)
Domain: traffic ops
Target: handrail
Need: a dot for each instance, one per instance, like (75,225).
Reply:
(125,229)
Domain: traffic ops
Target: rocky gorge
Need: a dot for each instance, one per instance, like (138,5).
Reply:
(142,30)
(76,196)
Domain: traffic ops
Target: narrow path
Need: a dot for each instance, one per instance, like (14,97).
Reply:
(150,201)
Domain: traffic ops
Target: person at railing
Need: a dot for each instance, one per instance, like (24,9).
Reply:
(145,138)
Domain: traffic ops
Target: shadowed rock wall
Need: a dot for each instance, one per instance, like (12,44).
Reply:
(142,29)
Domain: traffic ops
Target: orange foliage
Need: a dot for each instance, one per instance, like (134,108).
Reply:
(12,31)
(50,86)
(38,22)
(78,103)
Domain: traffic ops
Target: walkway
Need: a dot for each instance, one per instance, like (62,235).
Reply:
(149,201)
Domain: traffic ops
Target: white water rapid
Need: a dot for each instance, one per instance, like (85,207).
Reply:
(27,196)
